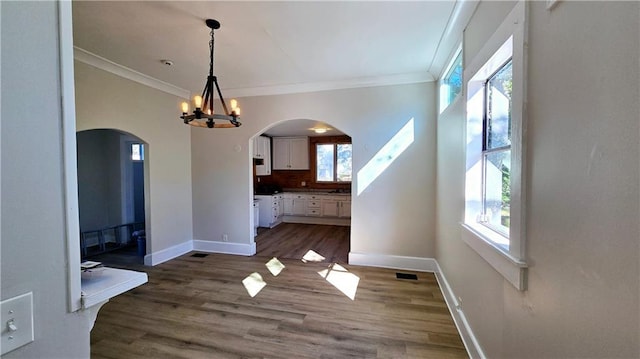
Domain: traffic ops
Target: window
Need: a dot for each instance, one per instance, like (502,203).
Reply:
(494,180)
(496,151)
(451,83)
(137,152)
(333,162)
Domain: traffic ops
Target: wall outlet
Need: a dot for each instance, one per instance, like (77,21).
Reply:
(225,237)
(303,184)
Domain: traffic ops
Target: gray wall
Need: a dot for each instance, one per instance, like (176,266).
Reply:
(104,100)
(395,215)
(33,225)
(583,194)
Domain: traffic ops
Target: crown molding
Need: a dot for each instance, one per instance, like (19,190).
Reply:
(94,60)
(452,35)
(102,63)
(386,80)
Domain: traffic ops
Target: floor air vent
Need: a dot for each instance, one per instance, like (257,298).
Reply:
(406,276)
(199,255)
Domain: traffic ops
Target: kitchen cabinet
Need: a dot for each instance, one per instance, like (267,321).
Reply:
(291,153)
(336,206)
(344,208)
(295,204)
(262,151)
(317,208)
(271,210)
(314,207)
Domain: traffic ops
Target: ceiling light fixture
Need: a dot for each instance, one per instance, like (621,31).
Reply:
(204,115)
(320,130)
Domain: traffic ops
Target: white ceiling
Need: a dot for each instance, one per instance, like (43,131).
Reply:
(268,47)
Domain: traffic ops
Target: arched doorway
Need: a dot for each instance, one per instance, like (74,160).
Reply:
(311,211)
(111,200)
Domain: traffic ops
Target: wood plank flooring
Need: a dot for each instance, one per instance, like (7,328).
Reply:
(294,240)
(199,308)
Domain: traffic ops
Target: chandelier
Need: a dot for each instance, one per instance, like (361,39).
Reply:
(203,115)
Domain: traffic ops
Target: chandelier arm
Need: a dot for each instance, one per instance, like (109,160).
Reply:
(204,95)
(224,105)
(211,82)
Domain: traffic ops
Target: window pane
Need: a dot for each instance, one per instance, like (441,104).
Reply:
(499,108)
(453,79)
(136,154)
(343,172)
(324,162)
(497,197)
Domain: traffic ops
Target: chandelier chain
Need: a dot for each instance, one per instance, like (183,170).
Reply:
(211,47)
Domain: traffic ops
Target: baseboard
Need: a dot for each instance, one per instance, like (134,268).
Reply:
(240,249)
(468,338)
(332,221)
(166,254)
(395,262)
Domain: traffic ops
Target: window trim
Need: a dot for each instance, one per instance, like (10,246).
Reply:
(511,262)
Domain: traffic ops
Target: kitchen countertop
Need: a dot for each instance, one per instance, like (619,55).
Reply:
(323,192)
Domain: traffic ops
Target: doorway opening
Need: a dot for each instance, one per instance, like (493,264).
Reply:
(111,196)
(302,188)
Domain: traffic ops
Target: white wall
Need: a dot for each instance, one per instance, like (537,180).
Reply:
(394,216)
(33,224)
(104,100)
(583,190)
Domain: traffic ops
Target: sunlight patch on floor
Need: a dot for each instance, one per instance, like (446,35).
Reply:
(342,279)
(254,283)
(312,256)
(275,266)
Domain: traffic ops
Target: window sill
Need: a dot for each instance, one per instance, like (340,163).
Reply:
(512,269)
(100,286)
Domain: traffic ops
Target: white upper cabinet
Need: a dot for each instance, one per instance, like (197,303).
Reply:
(291,153)
(262,150)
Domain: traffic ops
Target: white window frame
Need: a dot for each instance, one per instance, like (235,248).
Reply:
(509,41)
(444,102)
(335,162)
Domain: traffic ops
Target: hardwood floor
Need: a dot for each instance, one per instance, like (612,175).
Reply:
(196,307)
(294,240)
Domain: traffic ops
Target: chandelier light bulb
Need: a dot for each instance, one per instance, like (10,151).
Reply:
(185,107)
(197,100)
(237,111)
(209,111)
(234,103)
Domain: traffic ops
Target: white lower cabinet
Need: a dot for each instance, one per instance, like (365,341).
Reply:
(344,208)
(329,207)
(316,207)
(295,204)
(271,210)
(336,207)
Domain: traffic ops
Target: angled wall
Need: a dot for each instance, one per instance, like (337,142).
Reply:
(583,190)
(34,235)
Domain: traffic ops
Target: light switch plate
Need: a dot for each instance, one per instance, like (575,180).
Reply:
(16,322)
